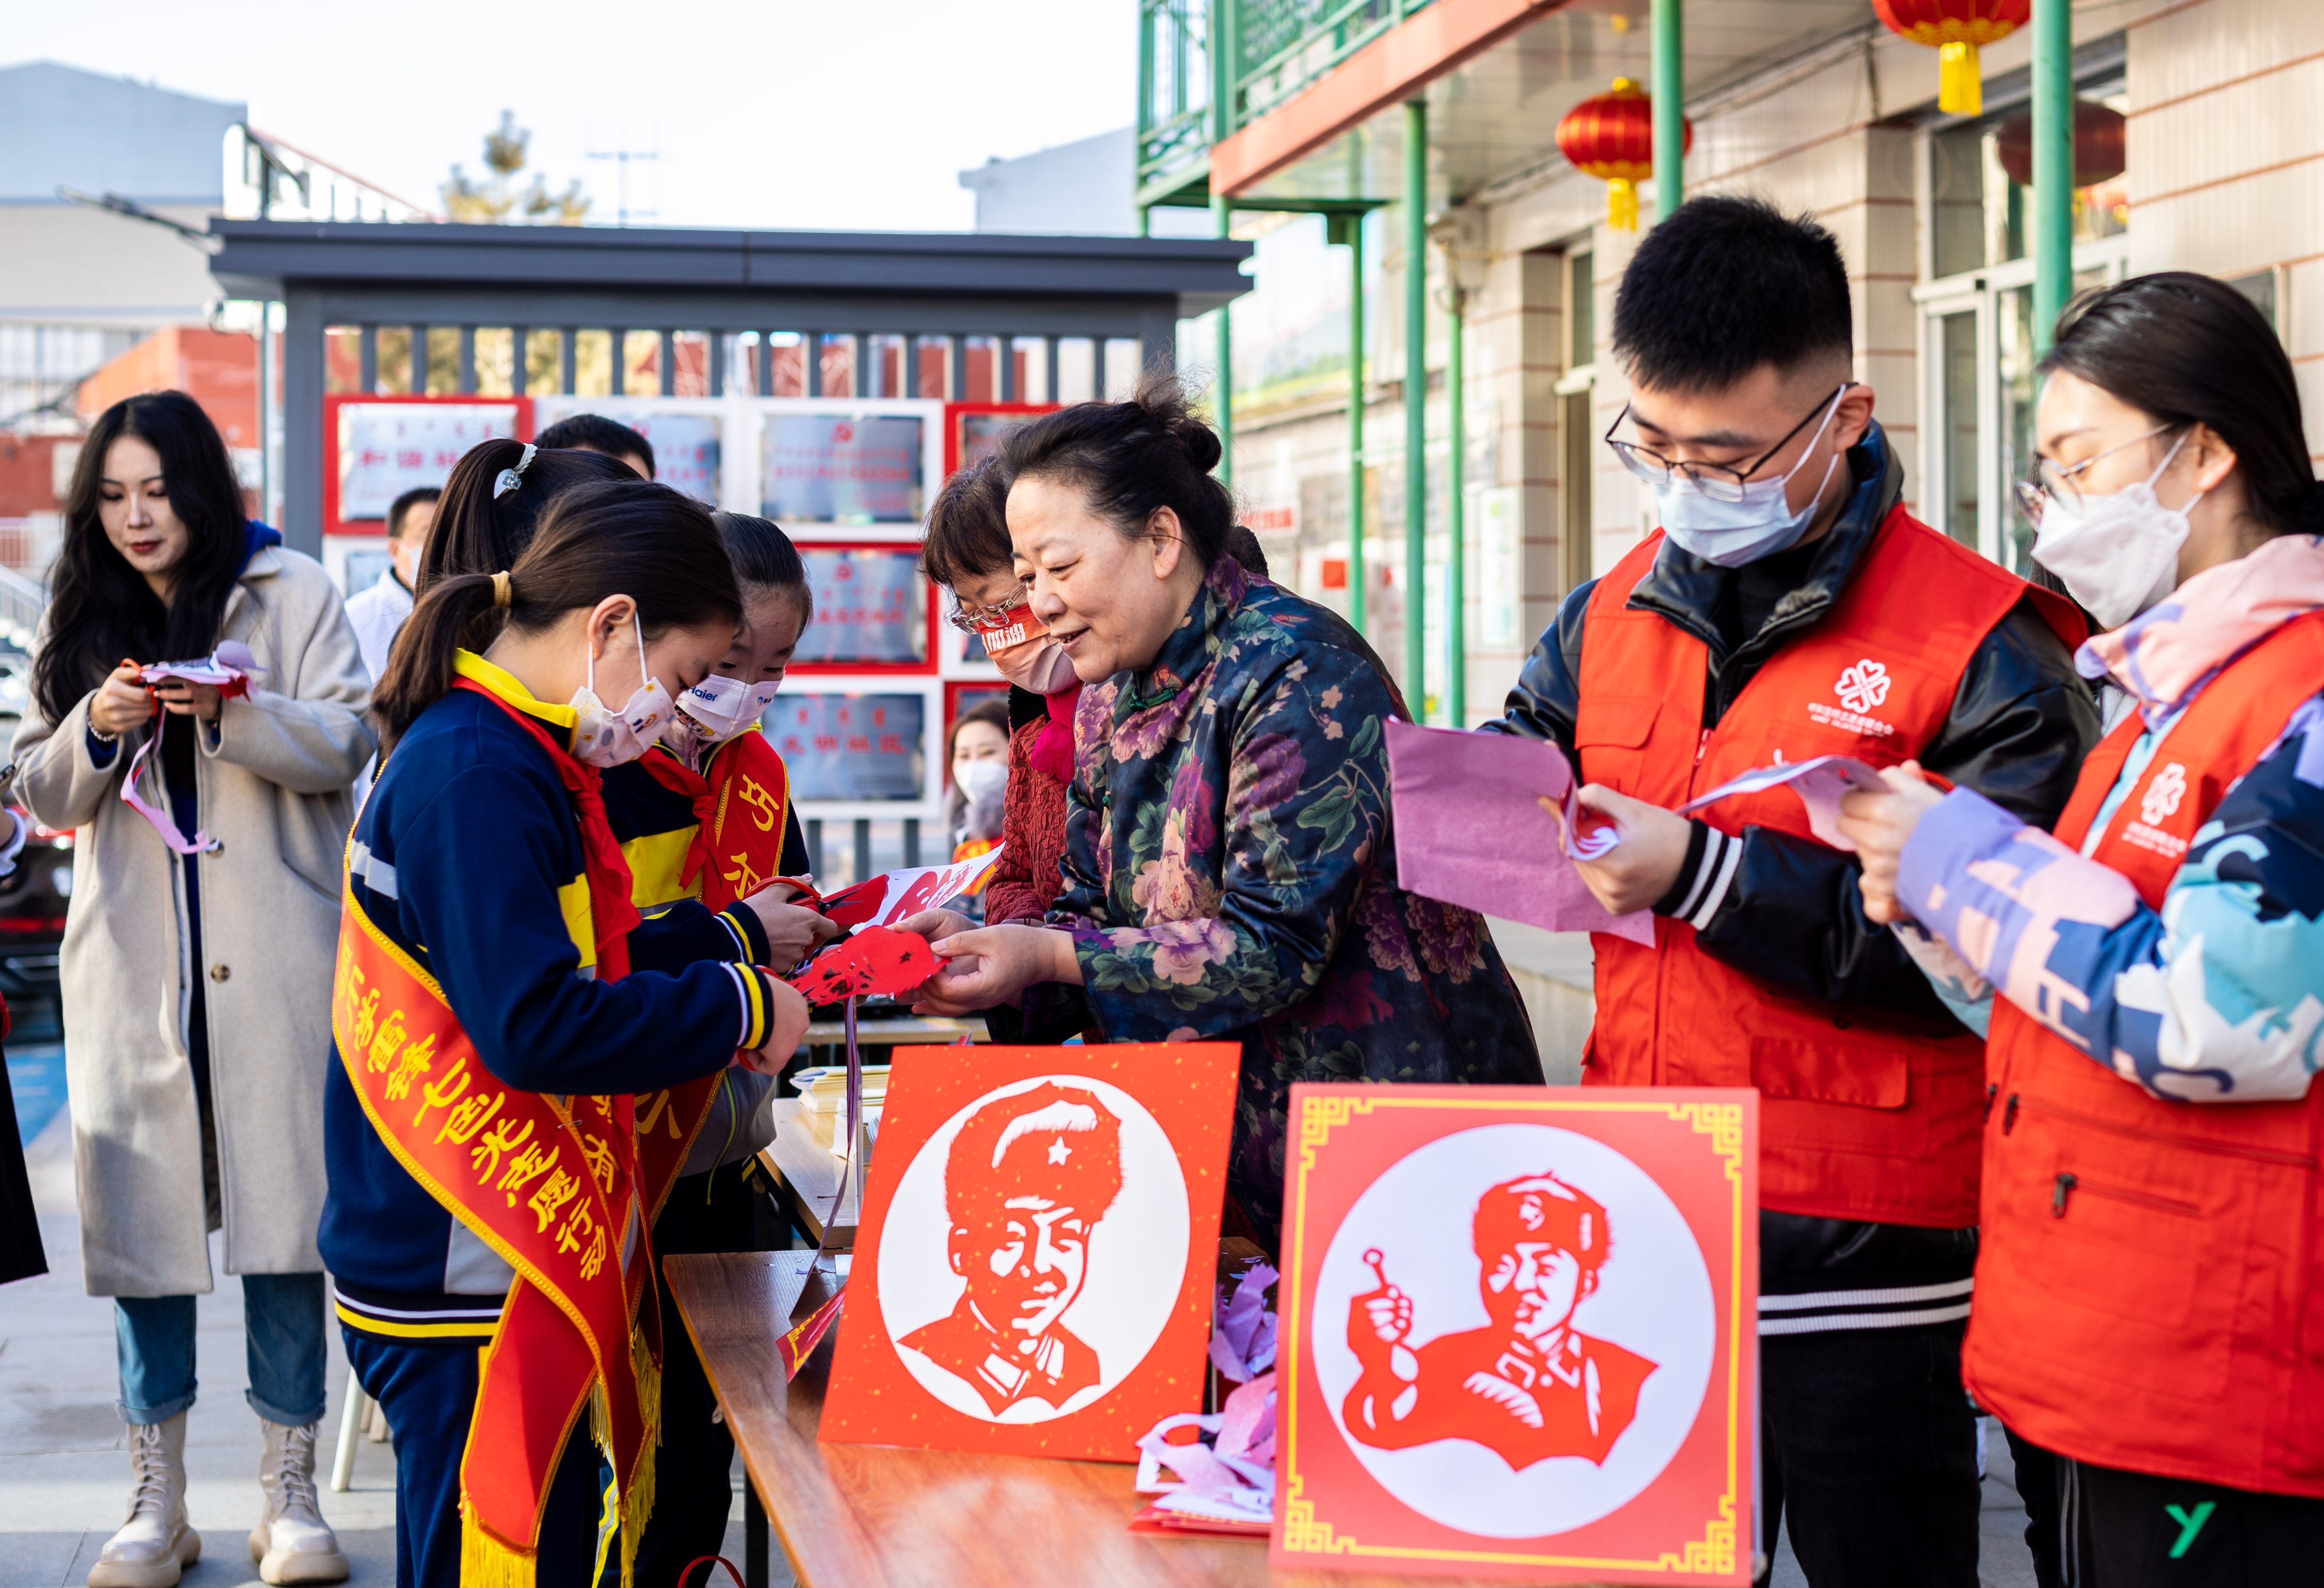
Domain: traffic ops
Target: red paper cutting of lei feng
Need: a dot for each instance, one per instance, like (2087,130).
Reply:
(877,960)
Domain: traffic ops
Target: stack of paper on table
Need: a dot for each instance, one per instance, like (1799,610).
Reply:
(823,1101)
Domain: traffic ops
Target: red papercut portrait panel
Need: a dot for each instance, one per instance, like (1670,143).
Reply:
(1520,1333)
(1034,1268)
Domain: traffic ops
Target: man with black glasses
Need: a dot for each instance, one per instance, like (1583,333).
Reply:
(1789,607)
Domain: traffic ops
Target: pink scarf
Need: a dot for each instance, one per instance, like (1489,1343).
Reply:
(2166,654)
(1053,746)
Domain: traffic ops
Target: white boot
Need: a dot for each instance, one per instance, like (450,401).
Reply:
(292,1543)
(156,1544)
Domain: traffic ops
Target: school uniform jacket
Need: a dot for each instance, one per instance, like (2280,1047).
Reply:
(468,857)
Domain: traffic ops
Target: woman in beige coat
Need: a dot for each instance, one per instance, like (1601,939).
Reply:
(196,985)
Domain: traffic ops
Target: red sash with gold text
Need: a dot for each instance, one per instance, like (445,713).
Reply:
(740,812)
(549,1184)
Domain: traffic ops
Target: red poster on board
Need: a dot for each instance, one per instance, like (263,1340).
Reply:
(1519,1333)
(1034,1269)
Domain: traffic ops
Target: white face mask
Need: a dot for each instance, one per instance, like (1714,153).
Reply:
(602,737)
(1729,534)
(2117,554)
(726,706)
(980,783)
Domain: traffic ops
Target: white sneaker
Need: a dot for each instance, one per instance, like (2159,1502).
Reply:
(292,1543)
(156,1544)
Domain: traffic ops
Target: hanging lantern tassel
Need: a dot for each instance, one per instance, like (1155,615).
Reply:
(1611,137)
(1960,86)
(1955,28)
(1622,204)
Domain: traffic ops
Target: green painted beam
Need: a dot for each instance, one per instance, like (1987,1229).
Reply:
(1415,407)
(2053,165)
(1669,92)
(1348,229)
(1222,383)
(1456,470)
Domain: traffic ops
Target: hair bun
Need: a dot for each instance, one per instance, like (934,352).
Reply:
(1201,442)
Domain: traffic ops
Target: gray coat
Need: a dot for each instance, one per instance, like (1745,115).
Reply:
(272,789)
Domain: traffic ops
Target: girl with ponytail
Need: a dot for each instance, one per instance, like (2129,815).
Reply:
(503,1025)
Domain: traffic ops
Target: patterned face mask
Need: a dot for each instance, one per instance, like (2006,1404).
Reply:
(602,737)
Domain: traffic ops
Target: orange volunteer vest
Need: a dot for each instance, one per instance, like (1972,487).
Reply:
(1860,1117)
(2149,1291)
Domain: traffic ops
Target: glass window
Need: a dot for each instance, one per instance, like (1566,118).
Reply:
(1957,348)
(870,607)
(851,746)
(1978,214)
(1582,308)
(842,469)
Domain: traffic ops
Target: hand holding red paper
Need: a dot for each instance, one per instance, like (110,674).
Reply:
(992,965)
(186,688)
(886,898)
(876,962)
(1877,822)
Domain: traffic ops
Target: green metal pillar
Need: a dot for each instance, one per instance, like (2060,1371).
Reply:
(1415,407)
(1222,384)
(1456,470)
(1348,229)
(1669,92)
(2053,165)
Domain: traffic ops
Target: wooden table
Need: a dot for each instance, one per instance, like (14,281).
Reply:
(910,1031)
(858,1516)
(806,1175)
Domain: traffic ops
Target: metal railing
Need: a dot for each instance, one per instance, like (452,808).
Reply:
(1188,99)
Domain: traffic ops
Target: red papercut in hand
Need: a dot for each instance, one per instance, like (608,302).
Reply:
(875,960)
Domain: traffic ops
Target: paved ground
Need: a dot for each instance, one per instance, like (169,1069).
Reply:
(63,1471)
(64,1475)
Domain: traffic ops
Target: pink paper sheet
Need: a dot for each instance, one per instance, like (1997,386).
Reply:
(1469,830)
(1819,783)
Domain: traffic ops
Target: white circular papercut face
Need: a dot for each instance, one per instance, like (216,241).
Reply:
(1034,1250)
(1533,1388)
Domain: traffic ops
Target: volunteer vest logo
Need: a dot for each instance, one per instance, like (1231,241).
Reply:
(1529,1385)
(1860,690)
(2161,801)
(2158,802)
(1540,1378)
(1035,1263)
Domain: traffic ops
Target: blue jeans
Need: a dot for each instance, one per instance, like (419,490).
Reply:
(282,1318)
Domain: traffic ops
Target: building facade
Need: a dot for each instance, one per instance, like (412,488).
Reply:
(2216,107)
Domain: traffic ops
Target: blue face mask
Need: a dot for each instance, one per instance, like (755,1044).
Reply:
(1732,534)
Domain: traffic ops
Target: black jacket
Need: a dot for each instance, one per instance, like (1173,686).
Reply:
(1790,911)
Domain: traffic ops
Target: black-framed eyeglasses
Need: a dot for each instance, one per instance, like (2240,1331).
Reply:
(1720,481)
(970,619)
(2057,485)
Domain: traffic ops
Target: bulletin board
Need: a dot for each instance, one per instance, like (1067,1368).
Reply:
(382,447)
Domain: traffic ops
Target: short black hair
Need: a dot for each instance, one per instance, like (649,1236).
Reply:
(402,505)
(1724,285)
(594,432)
(764,558)
(967,534)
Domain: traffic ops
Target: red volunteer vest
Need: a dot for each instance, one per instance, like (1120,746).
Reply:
(2150,1290)
(1860,1118)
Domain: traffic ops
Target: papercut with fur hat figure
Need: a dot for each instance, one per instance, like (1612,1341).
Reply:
(1027,1178)
(1529,1386)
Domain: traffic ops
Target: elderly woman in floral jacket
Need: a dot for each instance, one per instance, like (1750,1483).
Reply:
(1229,871)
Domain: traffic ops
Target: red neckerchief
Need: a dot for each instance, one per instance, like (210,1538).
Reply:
(612,913)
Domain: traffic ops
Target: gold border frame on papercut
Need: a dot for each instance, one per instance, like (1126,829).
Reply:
(1715,1551)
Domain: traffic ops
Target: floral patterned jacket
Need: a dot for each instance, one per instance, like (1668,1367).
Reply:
(1229,873)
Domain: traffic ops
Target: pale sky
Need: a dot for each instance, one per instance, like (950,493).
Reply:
(817,113)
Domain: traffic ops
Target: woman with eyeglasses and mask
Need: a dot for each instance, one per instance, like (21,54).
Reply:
(1229,866)
(2150,1295)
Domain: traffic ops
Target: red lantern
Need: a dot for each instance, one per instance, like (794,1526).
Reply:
(1955,28)
(1612,138)
(2100,135)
